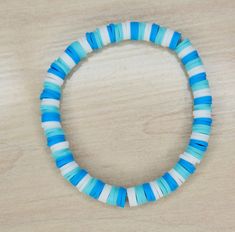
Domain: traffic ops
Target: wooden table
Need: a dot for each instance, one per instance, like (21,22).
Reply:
(127,113)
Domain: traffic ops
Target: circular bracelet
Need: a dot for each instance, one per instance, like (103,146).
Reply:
(56,140)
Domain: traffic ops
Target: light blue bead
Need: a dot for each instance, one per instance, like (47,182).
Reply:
(118,32)
(141,31)
(183,172)
(54,131)
(165,184)
(90,185)
(64,66)
(63,152)
(195,152)
(52,86)
(202,107)
(160,35)
(193,63)
(112,198)
(204,129)
(140,195)
(72,173)
(79,49)
(200,85)
(98,38)
(162,187)
(182,45)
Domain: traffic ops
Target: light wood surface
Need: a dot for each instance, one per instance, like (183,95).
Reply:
(126,111)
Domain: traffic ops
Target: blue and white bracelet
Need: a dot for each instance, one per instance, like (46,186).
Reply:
(56,140)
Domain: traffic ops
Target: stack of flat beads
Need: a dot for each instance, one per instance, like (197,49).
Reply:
(56,140)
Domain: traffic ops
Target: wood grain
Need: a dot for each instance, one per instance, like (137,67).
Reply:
(127,113)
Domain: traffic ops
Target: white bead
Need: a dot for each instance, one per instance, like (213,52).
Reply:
(131,197)
(156,190)
(58,80)
(199,136)
(201,93)
(82,184)
(126,30)
(178,176)
(174,175)
(85,45)
(59,146)
(104,35)
(50,102)
(68,60)
(167,38)
(202,114)
(147,31)
(186,51)
(51,124)
(48,79)
(68,168)
(196,70)
(105,193)
(191,159)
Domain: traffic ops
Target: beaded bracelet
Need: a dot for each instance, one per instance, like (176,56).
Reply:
(56,140)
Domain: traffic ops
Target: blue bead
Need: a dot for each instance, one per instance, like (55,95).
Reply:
(78,177)
(191,56)
(56,73)
(203,100)
(154,31)
(90,36)
(188,166)
(55,139)
(73,54)
(111,31)
(134,30)
(203,121)
(199,142)
(171,182)
(121,199)
(197,78)
(48,93)
(56,67)
(148,192)
(197,146)
(175,40)
(97,189)
(50,117)
(60,162)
